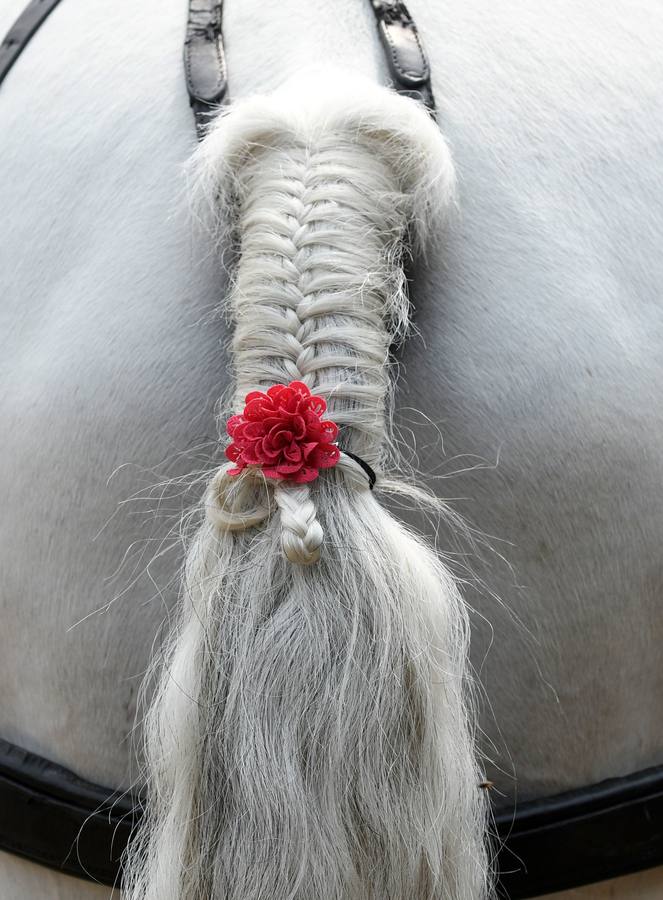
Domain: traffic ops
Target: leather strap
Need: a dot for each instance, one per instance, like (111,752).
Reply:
(406,57)
(18,36)
(51,816)
(205,62)
(583,836)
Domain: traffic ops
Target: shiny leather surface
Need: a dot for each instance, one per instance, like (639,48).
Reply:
(404,51)
(52,816)
(204,58)
(21,31)
(204,61)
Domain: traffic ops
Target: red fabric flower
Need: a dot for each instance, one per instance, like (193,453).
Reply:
(283,432)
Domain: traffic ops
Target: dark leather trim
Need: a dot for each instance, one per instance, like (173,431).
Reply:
(404,50)
(51,816)
(18,36)
(591,834)
(205,62)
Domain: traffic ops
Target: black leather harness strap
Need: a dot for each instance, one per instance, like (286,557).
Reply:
(18,36)
(580,837)
(405,53)
(205,62)
(51,816)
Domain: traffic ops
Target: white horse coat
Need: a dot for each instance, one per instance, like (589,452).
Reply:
(538,356)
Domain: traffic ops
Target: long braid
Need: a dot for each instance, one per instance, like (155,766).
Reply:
(309,739)
(312,289)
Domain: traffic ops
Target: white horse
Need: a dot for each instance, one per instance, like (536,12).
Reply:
(537,357)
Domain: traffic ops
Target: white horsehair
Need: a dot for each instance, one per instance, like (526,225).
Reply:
(311,736)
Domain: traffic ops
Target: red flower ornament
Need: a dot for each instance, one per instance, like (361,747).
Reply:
(283,432)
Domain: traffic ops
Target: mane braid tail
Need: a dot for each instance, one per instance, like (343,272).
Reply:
(309,738)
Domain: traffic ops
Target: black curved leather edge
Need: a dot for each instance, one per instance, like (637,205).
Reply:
(51,816)
(608,829)
(205,62)
(18,36)
(404,50)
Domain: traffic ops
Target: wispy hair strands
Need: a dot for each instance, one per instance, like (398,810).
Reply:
(310,737)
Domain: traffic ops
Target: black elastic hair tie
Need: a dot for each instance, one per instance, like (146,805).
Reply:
(372,478)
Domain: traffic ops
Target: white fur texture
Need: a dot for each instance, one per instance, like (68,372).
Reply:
(539,334)
(539,347)
(310,735)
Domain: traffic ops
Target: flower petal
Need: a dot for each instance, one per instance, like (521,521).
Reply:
(271,472)
(301,388)
(305,474)
(287,469)
(255,395)
(232,423)
(298,426)
(275,390)
(330,430)
(293,453)
(233,452)
(251,454)
(279,437)
(308,448)
(325,456)
(267,452)
(316,404)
